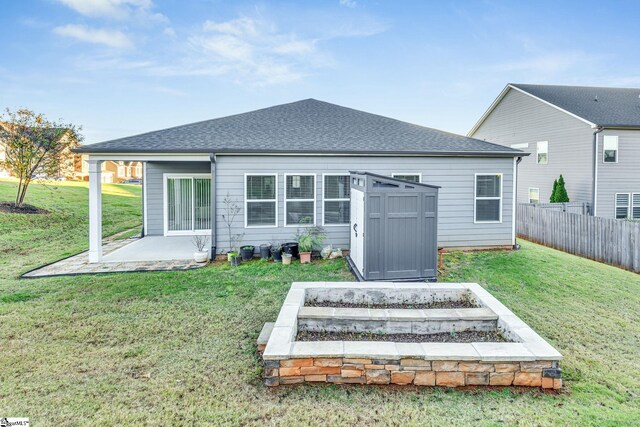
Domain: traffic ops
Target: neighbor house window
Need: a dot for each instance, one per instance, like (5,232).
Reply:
(336,193)
(635,206)
(622,205)
(610,149)
(120,171)
(543,152)
(413,177)
(488,198)
(534,195)
(261,200)
(139,170)
(299,199)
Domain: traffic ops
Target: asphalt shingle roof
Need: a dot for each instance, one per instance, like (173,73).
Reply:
(614,107)
(307,126)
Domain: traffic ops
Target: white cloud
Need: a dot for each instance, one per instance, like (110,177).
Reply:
(169,32)
(111,38)
(348,3)
(109,8)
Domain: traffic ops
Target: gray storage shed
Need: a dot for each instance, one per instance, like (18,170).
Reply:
(394,227)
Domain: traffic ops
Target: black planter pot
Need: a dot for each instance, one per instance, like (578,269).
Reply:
(276,254)
(265,251)
(291,248)
(247,252)
(235,261)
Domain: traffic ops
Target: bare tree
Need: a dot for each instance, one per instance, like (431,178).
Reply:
(34,145)
(231,210)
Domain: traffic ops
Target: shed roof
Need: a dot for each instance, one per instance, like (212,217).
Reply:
(307,126)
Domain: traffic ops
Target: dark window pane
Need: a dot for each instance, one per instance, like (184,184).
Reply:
(610,156)
(261,213)
(300,187)
(336,212)
(300,213)
(488,186)
(412,178)
(487,210)
(261,187)
(336,187)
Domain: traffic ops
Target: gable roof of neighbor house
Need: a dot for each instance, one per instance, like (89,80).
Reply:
(597,106)
(307,126)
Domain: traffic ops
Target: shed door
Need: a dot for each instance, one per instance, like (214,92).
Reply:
(403,236)
(357,229)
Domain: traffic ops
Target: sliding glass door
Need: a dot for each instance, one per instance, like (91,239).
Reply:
(187,204)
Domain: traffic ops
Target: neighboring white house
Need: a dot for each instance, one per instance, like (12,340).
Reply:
(288,166)
(590,135)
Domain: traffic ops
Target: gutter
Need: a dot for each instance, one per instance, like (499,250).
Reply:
(594,183)
(212,202)
(516,246)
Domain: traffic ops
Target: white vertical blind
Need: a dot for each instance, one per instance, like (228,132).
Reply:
(188,204)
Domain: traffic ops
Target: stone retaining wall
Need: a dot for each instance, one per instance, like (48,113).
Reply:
(419,372)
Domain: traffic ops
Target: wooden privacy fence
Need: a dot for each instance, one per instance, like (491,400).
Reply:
(581,208)
(607,240)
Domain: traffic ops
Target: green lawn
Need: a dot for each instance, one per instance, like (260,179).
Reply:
(179,347)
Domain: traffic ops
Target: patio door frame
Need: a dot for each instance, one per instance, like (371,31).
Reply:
(165,206)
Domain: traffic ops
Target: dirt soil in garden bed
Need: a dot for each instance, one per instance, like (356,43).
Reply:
(434,304)
(9,207)
(459,337)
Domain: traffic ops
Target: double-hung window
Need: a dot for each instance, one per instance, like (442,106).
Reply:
(413,177)
(610,149)
(261,200)
(534,195)
(336,199)
(488,198)
(299,199)
(622,205)
(542,152)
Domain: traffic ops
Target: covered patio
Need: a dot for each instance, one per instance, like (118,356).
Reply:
(176,206)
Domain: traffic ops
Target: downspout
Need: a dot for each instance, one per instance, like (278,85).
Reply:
(212,254)
(594,184)
(516,246)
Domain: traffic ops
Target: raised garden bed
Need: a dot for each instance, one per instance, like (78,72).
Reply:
(390,333)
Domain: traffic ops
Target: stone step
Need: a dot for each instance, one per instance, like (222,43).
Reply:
(397,315)
(265,333)
(396,321)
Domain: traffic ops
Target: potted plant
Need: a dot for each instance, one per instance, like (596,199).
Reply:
(265,251)
(308,239)
(201,254)
(247,252)
(234,259)
(276,252)
(286,259)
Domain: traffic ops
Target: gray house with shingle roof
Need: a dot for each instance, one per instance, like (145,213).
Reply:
(287,166)
(590,135)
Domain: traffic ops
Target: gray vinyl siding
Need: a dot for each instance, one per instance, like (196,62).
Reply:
(621,177)
(519,119)
(155,191)
(455,175)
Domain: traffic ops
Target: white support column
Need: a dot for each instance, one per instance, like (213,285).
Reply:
(95,210)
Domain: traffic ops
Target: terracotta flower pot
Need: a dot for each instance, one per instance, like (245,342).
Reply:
(305,257)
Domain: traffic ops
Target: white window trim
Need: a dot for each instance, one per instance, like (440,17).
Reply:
(529,194)
(246,201)
(615,206)
(476,198)
(315,214)
(538,153)
(604,138)
(165,177)
(334,200)
(121,171)
(393,175)
(632,206)
(521,145)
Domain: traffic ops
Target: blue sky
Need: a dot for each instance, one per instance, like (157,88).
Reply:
(121,67)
